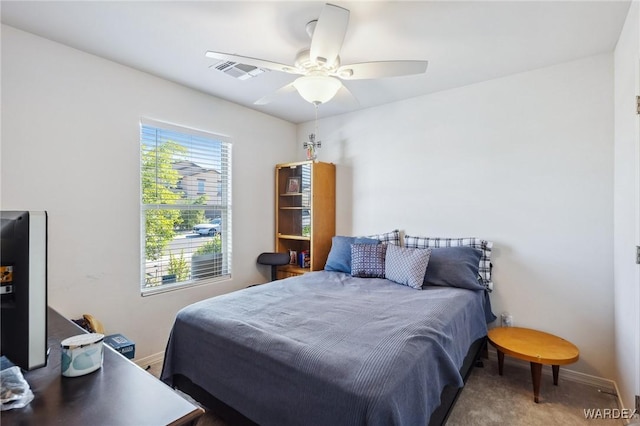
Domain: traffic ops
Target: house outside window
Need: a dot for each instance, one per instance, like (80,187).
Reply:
(185,178)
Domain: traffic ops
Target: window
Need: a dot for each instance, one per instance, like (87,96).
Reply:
(185,178)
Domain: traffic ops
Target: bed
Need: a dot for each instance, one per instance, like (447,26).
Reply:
(328,348)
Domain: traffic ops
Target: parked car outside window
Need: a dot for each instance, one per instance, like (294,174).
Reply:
(207,228)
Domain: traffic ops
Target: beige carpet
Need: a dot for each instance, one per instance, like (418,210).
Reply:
(491,400)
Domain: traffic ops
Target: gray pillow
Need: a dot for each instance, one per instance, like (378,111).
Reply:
(339,258)
(454,267)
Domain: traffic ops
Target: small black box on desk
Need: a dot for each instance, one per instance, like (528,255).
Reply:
(121,344)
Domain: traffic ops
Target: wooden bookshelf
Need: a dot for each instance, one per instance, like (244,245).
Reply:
(305,213)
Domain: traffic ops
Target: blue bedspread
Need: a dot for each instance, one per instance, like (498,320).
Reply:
(328,349)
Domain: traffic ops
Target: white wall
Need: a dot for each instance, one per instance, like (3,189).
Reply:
(525,161)
(627,208)
(70,145)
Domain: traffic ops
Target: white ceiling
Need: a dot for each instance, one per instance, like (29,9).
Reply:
(464,42)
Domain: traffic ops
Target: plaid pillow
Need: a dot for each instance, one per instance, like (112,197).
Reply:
(406,266)
(392,237)
(484,268)
(367,260)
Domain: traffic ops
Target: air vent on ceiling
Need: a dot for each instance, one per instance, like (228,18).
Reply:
(236,70)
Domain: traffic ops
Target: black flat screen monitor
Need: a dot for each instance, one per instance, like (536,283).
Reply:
(23,288)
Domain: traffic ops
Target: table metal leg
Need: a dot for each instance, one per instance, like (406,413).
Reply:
(500,362)
(556,372)
(536,372)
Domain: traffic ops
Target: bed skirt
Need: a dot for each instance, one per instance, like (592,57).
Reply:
(232,417)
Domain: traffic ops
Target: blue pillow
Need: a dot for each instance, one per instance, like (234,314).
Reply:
(454,267)
(339,258)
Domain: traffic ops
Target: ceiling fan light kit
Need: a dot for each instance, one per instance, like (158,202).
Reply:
(319,65)
(317,89)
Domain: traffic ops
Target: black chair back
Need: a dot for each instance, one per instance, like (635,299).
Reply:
(274,260)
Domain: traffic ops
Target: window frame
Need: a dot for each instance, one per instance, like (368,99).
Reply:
(224,207)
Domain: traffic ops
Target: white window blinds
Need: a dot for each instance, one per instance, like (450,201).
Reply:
(185,178)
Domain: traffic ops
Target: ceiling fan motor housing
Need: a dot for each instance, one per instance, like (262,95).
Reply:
(306,65)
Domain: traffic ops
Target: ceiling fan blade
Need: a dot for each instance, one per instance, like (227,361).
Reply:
(328,34)
(273,96)
(366,70)
(260,63)
(346,98)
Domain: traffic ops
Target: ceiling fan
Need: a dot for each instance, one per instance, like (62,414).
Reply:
(319,65)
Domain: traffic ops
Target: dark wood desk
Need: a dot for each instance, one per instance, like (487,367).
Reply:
(119,393)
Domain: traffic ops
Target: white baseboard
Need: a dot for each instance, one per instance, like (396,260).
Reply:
(634,420)
(601,383)
(150,360)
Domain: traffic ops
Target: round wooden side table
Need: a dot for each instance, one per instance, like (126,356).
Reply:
(534,346)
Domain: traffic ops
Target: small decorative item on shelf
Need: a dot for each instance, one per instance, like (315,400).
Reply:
(293,257)
(293,185)
(304,260)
